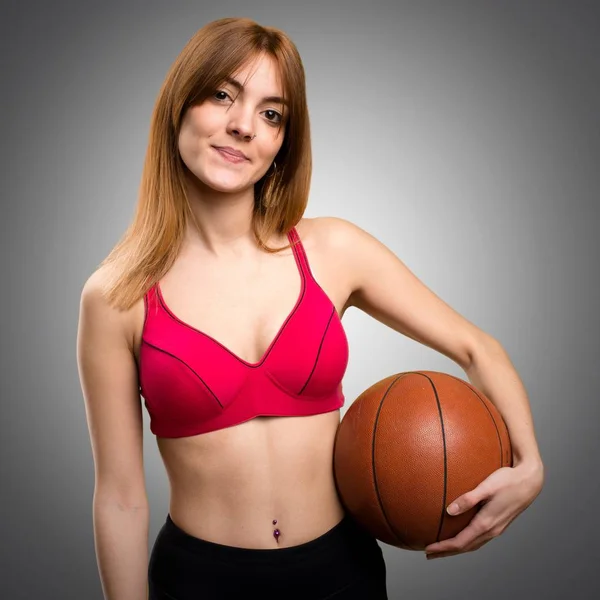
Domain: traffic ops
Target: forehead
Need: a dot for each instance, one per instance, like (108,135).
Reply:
(260,72)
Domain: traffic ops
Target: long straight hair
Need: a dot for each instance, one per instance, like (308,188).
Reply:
(150,245)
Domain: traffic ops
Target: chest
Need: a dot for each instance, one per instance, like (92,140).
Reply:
(242,309)
(222,346)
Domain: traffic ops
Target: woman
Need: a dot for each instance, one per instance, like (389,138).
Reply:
(222,306)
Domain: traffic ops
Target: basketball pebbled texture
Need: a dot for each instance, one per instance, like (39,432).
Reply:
(408,446)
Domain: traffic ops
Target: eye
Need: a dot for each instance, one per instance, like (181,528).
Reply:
(277,115)
(221,92)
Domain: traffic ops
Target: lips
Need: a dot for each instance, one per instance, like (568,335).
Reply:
(231,152)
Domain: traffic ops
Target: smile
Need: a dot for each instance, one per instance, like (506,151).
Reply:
(229,157)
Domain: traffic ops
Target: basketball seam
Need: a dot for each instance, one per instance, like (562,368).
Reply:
(389,524)
(445,450)
(445,492)
(476,391)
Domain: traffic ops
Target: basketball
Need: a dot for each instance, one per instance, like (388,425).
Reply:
(407,447)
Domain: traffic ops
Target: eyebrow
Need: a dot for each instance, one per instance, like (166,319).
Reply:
(235,83)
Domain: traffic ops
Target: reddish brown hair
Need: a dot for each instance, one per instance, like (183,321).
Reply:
(153,240)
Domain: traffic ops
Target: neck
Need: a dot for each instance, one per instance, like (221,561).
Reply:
(223,219)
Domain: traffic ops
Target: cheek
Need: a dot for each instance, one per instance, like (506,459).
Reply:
(273,143)
(188,150)
(197,123)
(278,139)
(185,144)
(190,142)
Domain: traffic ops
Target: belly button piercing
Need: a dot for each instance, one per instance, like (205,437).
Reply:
(276,532)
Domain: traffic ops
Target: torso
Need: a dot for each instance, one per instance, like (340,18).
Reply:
(228,485)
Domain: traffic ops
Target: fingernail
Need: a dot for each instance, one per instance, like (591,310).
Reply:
(453,509)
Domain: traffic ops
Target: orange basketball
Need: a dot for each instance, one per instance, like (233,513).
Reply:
(408,446)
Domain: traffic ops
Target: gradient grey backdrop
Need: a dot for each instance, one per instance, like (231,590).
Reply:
(464,135)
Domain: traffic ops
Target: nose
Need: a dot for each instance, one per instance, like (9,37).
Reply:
(240,124)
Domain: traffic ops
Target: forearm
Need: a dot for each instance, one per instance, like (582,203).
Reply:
(492,372)
(121,542)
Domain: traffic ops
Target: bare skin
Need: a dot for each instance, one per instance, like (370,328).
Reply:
(227,486)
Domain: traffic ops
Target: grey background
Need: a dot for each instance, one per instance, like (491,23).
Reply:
(464,135)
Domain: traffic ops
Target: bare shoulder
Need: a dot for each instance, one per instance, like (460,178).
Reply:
(92,294)
(337,238)
(333,233)
(328,242)
(382,285)
(95,306)
(109,382)
(93,288)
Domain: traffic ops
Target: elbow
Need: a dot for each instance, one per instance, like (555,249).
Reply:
(125,500)
(482,345)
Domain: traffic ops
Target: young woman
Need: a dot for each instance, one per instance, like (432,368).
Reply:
(222,307)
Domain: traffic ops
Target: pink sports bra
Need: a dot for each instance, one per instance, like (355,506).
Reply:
(193,384)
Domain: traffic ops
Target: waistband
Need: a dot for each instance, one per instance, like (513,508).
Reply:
(346,534)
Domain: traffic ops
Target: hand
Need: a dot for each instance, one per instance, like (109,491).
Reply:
(505,494)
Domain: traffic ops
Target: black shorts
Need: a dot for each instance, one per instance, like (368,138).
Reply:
(345,563)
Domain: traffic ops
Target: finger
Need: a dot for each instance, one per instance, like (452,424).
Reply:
(441,555)
(477,528)
(471,548)
(468,500)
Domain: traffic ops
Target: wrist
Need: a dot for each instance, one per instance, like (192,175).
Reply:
(534,467)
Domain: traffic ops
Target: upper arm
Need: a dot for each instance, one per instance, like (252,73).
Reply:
(108,376)
(384,287)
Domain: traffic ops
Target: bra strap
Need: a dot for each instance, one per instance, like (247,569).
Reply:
(151,303)
(298,249)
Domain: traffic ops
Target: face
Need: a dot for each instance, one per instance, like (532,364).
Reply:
(238,118)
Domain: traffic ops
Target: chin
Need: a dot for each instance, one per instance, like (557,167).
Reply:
(226,183)
(217,179)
